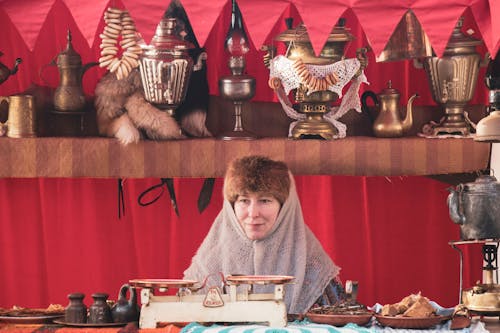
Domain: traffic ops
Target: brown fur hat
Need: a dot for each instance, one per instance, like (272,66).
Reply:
(256,174)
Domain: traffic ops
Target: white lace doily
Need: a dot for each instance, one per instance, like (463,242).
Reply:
(282,68)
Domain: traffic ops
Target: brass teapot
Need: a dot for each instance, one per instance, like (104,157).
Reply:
(5,72)
(388,123)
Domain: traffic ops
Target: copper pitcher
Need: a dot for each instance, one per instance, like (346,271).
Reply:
(388,123)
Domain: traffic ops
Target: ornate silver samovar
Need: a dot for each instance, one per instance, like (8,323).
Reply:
(452,79)
(316,81)
(165,67)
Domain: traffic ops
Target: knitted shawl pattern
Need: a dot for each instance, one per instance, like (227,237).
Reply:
(289,249)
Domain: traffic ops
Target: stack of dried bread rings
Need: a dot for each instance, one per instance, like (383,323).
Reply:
(119,36)
(313,83)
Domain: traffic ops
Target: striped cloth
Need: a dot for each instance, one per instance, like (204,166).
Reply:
(306,326)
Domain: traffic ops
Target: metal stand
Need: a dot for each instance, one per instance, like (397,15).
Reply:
(489,255)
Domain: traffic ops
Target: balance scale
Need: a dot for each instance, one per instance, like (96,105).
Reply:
(214,306)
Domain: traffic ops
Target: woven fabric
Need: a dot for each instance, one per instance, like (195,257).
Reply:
(282,68)
(290,249)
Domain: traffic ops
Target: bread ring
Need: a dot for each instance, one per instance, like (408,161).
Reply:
(274,83)
(119,57)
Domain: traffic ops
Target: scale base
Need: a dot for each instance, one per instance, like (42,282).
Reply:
(176,309)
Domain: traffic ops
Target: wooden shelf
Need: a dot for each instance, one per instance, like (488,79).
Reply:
(98,157)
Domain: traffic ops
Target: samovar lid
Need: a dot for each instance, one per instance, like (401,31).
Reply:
(165,37)
(459,39)
(69,56)
(483,183)
(299,34)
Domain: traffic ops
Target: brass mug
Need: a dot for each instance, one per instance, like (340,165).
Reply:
(21,120)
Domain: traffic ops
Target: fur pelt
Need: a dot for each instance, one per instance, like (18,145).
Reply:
(122,112)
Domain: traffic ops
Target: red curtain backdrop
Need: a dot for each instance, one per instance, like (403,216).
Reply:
(59,236)
(63,235)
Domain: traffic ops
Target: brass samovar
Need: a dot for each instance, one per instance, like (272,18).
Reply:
(452,79)
(316,81)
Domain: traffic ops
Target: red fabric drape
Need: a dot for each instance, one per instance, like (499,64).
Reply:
(63,235)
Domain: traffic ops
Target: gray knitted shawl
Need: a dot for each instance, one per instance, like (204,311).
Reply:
(289,249)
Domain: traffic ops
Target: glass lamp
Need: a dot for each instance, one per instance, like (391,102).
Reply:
(237,87)
(488,128)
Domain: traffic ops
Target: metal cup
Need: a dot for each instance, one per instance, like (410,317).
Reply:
(21,119)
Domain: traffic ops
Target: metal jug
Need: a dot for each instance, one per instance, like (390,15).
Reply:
(69,96)
(476,208)
(388,123)
(125,310)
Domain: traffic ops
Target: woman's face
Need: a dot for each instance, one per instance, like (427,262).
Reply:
(256,213)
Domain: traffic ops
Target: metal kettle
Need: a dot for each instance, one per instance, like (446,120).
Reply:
(126,310)
(388,123)
(5,72)
(475,207)
(69,96)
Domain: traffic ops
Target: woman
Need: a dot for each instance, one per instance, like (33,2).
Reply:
(260,231)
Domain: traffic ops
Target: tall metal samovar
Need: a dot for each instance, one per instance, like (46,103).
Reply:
(452,79)
(165,67)
(316,81)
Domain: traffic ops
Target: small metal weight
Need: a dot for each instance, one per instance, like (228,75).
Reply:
(76,311)
(99,311)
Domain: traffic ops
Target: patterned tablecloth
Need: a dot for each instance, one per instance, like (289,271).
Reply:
(307,327)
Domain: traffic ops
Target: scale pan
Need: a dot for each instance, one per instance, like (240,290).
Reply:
(259,279)
(161,283)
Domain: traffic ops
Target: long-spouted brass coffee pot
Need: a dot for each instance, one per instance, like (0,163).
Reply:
(69,96)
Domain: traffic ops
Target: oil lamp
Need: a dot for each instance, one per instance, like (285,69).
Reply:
(237,87)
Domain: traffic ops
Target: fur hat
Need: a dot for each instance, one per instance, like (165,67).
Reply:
(256,174)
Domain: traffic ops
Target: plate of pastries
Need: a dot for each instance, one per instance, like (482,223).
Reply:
(22,315)
(412,312)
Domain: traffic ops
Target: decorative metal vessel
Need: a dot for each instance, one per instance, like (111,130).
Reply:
(69,95)
(475,207)
(314,95)
(452,79)
(166,67)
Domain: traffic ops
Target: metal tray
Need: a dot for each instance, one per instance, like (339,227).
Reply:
(410,322)
(340,319)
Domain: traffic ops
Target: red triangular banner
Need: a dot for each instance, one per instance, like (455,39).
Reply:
(438,27)
(146,14)
(260,16)
(320,18)
(28,20)
(379,31)
(202,16)
(87,15)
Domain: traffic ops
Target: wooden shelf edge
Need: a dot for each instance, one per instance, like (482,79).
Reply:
(97,157)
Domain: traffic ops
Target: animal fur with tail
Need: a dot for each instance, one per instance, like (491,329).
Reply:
(122,112)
